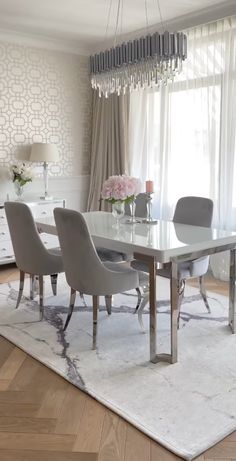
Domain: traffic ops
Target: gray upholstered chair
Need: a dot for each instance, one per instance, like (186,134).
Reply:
(196,211)
(30,253)
(84,270)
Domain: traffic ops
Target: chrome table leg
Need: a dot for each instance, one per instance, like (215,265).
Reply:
(153,311)
(95,318)
(150,260)
(232,297)
(41,296)
(154,356)
(175,305)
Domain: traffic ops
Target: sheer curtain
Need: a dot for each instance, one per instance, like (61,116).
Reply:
(183,136)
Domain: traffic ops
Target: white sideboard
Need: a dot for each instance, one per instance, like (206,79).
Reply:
(39,208)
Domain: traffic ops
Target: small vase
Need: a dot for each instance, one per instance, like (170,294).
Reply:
(118,211)
(18,190)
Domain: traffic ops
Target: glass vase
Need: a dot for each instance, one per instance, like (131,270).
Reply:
(118,211)
(18,190)
(132,212)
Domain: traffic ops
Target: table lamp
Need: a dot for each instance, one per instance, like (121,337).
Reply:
(43,152)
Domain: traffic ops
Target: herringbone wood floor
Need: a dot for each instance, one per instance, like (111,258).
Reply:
(44,418)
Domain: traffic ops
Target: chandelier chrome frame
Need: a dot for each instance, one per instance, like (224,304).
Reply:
(145,62)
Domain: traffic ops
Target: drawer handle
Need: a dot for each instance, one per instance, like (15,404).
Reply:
(2,217)
(44,212)
(3,249)
(3,233)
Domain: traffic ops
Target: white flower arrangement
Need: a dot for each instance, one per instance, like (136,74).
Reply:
(21,173)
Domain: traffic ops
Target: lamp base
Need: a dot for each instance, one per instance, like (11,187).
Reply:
(46,197)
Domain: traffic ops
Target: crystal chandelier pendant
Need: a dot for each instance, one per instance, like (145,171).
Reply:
(142,63)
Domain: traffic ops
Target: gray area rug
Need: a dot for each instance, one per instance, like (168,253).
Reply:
(187,407)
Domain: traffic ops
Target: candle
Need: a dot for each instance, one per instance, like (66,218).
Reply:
(149,187)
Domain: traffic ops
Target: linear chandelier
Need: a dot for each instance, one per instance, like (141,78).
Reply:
(142,63)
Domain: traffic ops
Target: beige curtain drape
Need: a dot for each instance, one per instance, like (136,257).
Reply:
(109,144)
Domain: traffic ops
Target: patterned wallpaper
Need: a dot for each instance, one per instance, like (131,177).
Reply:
(45,96)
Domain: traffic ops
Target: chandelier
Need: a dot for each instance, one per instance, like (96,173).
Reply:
(146,62)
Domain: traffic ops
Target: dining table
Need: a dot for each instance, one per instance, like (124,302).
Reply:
(158,243)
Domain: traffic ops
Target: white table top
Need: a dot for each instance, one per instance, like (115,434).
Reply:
(164,240)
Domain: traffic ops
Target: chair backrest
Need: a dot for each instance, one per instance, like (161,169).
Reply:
(195,211)
(140,206)
(29,250)
(83,268)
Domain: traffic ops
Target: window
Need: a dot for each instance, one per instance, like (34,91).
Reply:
(183,136)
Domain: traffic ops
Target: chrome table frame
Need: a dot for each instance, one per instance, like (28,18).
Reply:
(172,357)
(151,260)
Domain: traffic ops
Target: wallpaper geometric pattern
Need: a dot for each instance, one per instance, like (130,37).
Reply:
(45,96)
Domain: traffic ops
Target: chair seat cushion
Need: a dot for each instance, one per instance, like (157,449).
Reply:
(55,251)
(111,255)
(55,260)
(187,269)
(143,279)
(124,278)
(139,265)
(125,268)
(199,266)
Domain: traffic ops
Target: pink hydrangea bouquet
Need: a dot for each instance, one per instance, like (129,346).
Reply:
(121,188)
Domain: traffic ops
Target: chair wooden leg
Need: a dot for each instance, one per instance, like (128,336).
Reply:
(54,283)
(203,293)
(71,308)
(41,296)
(108,301)
(22,279)
(95,318)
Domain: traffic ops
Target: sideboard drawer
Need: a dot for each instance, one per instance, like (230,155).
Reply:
(6,250)
(4,233)
(3,218)
(45,209)
(40,209)
(50,241)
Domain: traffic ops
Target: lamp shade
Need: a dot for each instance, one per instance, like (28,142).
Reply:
(43,152)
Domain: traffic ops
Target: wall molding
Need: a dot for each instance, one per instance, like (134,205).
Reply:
(43,42)
(80,47)
(187,21)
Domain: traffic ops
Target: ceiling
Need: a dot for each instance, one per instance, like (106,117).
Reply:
(82,23)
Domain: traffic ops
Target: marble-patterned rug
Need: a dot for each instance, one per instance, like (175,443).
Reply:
(187,407)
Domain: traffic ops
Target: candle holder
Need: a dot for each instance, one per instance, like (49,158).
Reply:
(149,219)
(132,219)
